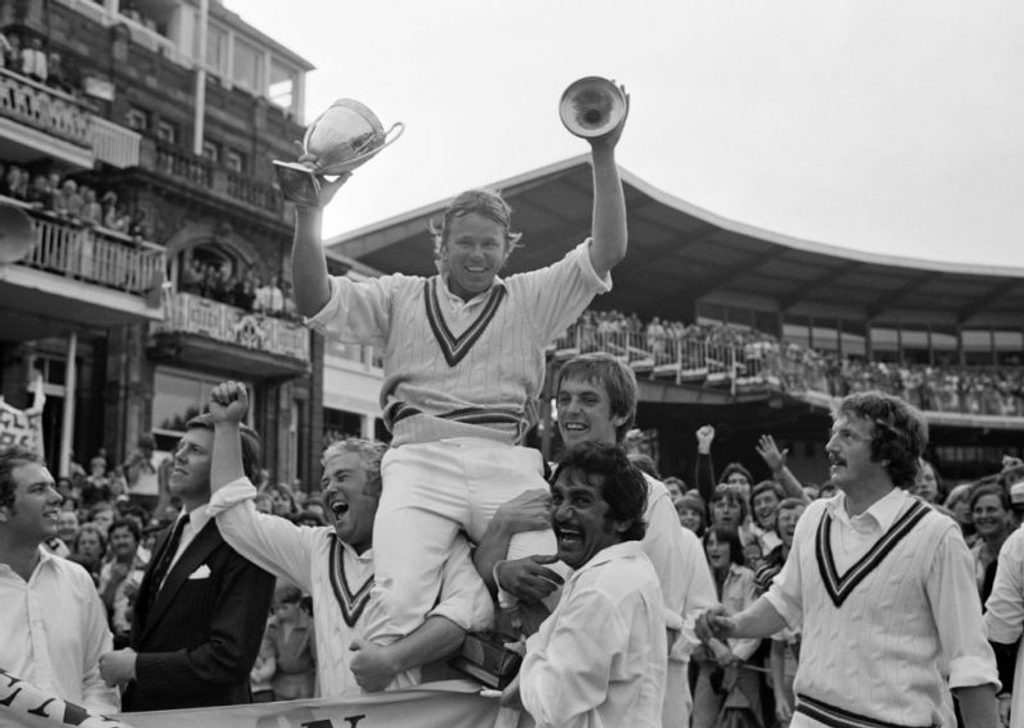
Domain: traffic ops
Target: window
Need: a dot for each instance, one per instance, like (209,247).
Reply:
(234,160)
(178,397)
(283,82)
(137,119)
(211,151)
(216,48)
(167,131)
(247,65)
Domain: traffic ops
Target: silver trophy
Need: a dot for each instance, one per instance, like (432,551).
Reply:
(592,107)
(341,139)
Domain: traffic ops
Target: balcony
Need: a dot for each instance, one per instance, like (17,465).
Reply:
(37,121)
(72,276)
(197,172)
(224,337)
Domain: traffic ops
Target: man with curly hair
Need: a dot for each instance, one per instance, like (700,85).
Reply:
(883,587)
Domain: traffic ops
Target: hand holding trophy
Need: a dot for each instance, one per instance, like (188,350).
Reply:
(338,141)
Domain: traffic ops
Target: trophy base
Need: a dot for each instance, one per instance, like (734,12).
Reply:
(485,658)
(298,183)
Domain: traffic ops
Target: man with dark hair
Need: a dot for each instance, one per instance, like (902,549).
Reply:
(882,586)
(201,608)
(53,627)
(121,576)
(596,395)
(601,657)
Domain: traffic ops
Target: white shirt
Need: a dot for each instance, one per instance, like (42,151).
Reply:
(338,579)
(885,651)
(599,660)
(1004,614)
(682,568)
(53,630)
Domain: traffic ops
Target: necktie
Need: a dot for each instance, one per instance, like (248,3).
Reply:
(163,564)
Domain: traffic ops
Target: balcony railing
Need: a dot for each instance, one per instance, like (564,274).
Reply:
(114,144)
(44,108)
(95,255)
(761,365)
(185,166)
(187,313)
(194,170)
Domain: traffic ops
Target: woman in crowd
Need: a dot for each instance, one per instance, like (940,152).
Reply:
(725,680)
(994,520)
(693,513)
(282,500)
(290,640)
(928,484)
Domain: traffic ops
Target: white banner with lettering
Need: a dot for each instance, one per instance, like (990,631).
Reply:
(448,704)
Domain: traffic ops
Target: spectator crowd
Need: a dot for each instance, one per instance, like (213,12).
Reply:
(720,354)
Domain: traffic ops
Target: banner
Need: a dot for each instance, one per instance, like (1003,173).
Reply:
(24,428)
(447,704)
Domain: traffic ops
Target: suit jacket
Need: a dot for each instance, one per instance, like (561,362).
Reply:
(198,640)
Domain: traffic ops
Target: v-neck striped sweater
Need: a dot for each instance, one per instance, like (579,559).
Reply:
(454,369)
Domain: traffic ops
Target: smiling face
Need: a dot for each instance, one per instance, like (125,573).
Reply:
(585,413)
(67,526)
(32,517)
(991,520)
(849,453)
(350,507)
(123,543)
(473,252)
(690,518)
(190,475)
(718,552)
(765,506)
(579,517)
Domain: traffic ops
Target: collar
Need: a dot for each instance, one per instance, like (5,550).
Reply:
(883,512)
(625,549)
(457,301)
(366,556)
(45,557)
(198,518)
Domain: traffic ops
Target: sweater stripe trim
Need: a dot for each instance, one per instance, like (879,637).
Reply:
(840,587)
(398,411)
(835,717)
(352,603)
(454,347)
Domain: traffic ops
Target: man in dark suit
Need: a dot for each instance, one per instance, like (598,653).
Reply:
(201,609)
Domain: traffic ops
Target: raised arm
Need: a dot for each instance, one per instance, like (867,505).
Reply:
(609,233)
(775,459)
(310,285)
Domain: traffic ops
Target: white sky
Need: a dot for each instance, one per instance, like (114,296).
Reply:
(892,126)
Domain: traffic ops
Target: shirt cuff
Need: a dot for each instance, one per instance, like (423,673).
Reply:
(582,253)
(966,672)
(319,321)
(231,494)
